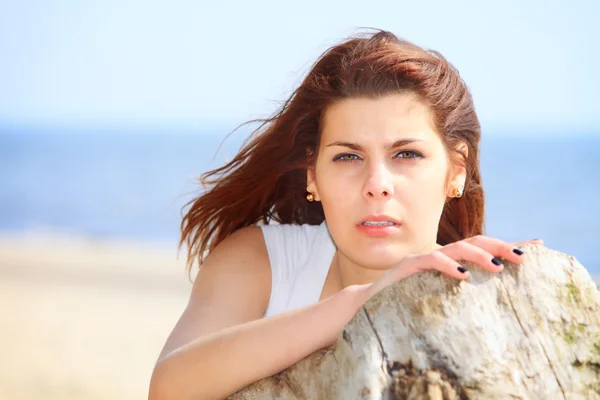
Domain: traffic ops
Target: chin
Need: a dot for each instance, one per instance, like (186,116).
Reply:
(382,257)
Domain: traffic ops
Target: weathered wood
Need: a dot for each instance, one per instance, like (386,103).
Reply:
(530,332)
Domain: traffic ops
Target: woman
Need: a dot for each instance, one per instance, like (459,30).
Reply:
(371,170)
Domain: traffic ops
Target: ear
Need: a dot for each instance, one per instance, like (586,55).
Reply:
(459,172)
(311,183)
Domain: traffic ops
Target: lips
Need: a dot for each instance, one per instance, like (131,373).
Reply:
(378,220)
(379,225)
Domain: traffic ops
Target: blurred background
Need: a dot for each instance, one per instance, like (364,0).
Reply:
(110,109)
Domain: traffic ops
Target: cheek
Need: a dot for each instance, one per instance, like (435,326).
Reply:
(431,183)
(338,195)
(334,185)
(423,191)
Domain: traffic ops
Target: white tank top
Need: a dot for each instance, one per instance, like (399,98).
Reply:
(300,256)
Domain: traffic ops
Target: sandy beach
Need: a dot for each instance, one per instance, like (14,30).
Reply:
(85,319)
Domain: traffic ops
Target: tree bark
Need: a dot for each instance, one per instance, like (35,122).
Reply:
(530,332)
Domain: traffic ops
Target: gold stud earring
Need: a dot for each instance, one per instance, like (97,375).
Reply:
(458,192)
(310,197)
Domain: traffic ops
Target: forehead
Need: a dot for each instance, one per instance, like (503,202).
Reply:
(385,118)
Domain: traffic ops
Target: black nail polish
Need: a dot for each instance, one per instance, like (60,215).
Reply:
(461,269)
(496,262)
(517,251)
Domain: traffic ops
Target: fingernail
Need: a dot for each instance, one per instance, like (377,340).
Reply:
(496,262)
(519,252)
(461,269)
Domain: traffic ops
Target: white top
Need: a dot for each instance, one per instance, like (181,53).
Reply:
(300,256)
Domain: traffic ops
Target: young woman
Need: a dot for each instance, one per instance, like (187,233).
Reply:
(371,172)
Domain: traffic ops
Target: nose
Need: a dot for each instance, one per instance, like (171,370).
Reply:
(379,183)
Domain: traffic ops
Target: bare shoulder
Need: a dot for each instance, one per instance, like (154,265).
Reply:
(232,287)
(241,259)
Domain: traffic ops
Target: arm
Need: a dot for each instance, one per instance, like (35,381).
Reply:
(222,344)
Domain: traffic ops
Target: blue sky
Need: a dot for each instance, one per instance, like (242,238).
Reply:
(531,65)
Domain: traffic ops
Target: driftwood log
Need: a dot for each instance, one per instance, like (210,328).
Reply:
(530,332)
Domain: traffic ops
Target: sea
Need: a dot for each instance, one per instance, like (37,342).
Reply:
(126,183)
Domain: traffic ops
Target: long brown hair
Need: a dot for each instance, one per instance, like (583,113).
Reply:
(267,178)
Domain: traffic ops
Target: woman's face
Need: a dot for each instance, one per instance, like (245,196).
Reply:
(381,176)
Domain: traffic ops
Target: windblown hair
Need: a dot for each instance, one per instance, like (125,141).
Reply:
(266,181)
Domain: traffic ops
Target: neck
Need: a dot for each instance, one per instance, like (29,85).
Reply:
(349,273)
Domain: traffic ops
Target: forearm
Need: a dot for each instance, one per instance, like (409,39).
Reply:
(218,365)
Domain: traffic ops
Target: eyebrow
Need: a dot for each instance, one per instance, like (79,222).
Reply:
(358,147)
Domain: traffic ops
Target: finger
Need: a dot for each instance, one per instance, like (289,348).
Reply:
(533,241)
(498,248)
(463,250)
(441,262)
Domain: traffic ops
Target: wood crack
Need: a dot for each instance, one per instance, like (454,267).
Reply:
(384,356)
(512,306)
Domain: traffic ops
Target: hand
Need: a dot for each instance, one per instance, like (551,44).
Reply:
(481,250)
(533,241)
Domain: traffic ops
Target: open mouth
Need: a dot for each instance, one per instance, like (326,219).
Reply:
(378,223)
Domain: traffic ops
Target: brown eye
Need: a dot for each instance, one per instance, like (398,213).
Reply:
(409,154)
(346,157)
